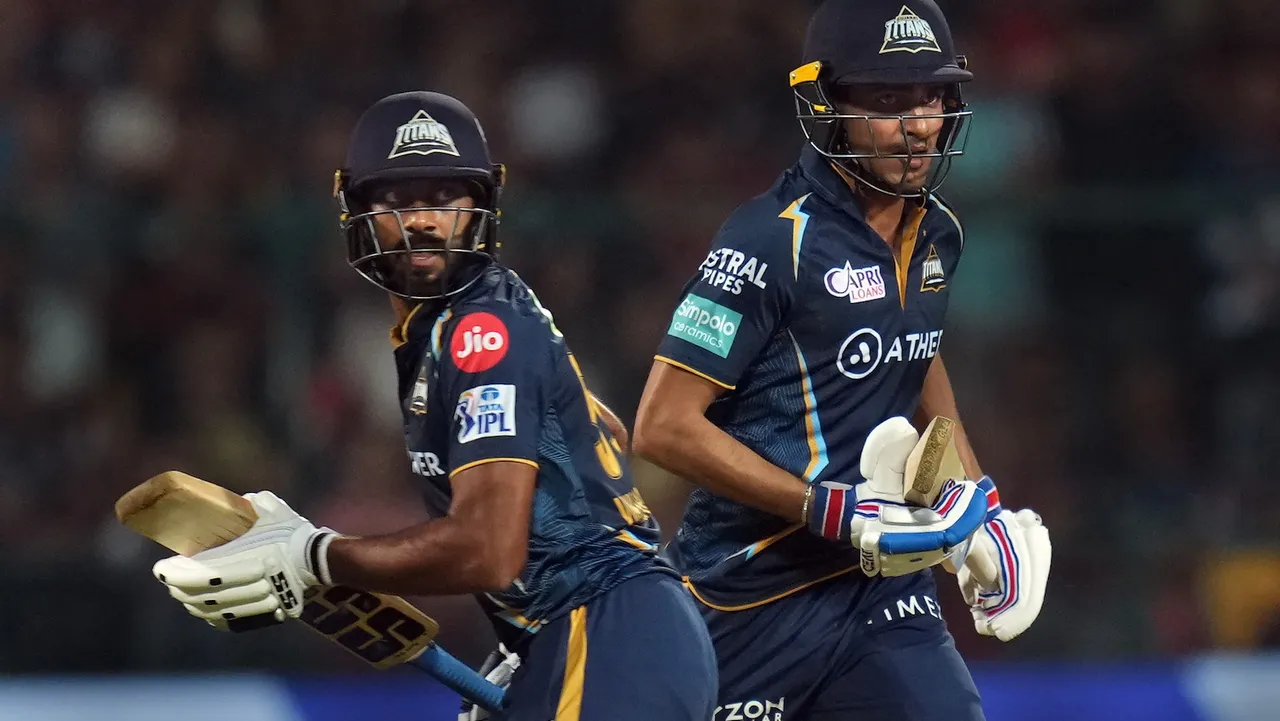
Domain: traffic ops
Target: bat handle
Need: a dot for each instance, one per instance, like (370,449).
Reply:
(984,569)
(981,565)
(460,678)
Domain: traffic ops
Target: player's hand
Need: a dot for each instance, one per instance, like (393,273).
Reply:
(1017,546)
(498,669)
(260,575)
(894,537)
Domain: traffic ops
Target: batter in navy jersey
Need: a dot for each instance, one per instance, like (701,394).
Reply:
(806,337)
(521,464)
(522,467)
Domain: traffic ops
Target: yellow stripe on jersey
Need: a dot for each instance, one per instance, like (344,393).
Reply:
(812,426)
(400,333)
(799,219)
(754,604)
(902,264)
(698,373)
(575,667)
(482,461)
(631,539)
(759,546)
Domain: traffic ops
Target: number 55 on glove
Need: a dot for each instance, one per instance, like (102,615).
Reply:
(188,515)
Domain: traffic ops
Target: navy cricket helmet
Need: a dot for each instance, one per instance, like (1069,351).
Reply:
(879,42)
(415,138)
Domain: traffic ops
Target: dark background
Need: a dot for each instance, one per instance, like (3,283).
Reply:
(173,292)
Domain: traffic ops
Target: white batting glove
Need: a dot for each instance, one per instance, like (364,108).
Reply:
(894,538)
(498,669)
(260,575)
(1017,546)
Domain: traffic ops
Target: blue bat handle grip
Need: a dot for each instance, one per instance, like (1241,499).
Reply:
(460,678)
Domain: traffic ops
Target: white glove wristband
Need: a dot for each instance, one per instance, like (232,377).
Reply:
(318,555)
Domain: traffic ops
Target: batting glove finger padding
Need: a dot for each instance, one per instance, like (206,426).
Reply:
(1018,546)
(264,571)
(897,539)
(224,597)
(894,537)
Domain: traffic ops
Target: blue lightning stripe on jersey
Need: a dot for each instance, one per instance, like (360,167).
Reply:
(435,332)
(813,427)
(799,219)
(759,546)
(634,540)
(952,215)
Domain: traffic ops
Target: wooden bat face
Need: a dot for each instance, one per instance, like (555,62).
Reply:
(932,462)
(188,515)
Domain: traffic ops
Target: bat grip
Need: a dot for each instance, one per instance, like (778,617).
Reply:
(980,563)
(460,678)
(984,569)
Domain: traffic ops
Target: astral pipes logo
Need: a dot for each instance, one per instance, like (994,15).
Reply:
(705,324)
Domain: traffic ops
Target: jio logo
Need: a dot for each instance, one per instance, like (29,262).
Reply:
(860,353)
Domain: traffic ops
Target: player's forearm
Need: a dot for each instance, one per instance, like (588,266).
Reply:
(939,399)
(698,451)
(438,557)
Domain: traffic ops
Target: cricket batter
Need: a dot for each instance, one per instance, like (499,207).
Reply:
(799,350)
(535,512)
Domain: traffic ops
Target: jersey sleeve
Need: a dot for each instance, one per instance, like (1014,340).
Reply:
(493,368)
(734,303)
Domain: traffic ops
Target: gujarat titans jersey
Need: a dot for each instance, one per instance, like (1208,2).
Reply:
(489,378)
(817,333)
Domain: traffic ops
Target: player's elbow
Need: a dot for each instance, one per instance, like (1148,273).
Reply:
(498,565)
(655,435)
(498,577)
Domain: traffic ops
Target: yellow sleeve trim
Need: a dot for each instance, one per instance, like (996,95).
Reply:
(698,373)
(483,461)
(754,604)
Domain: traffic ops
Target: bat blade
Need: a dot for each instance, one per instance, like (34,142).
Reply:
(932,462)
(187,515)
(930,465)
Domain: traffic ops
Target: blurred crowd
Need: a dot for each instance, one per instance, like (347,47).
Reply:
(174,293)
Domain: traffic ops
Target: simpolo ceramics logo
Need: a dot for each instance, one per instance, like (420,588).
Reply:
(706,324)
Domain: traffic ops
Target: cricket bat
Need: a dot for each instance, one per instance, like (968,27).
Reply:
(930,465)
(188,515)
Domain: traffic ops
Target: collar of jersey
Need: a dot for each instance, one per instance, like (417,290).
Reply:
(833,187)
(417,326)
(828,183)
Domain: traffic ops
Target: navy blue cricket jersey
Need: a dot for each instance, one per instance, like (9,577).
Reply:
(817,333)
(490,378)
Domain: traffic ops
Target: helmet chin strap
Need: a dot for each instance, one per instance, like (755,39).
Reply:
(864,178)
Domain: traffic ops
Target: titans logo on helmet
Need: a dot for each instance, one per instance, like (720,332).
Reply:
(422,135)
(909,33)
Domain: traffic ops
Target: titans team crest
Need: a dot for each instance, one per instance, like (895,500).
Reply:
(423,135)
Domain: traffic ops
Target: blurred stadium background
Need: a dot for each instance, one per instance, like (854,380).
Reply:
(173,294)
